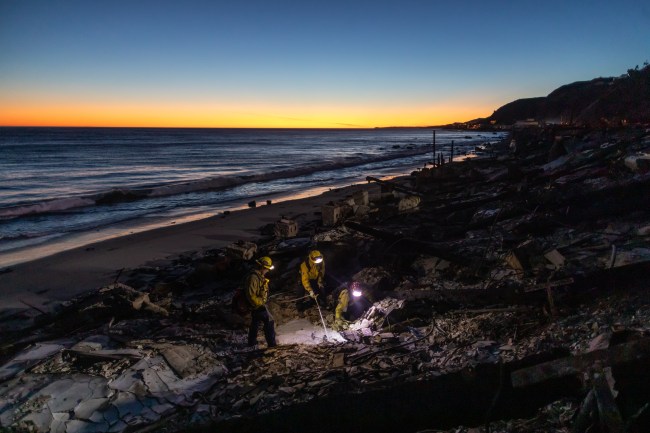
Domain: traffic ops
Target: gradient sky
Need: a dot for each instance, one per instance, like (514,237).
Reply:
(275,63)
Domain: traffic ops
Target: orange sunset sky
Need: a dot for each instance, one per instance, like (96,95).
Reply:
(300,64)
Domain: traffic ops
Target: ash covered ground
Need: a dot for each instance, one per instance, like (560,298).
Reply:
(506,292)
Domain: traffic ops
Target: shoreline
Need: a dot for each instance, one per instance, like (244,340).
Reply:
(45,282)
(13,257)
(22,254)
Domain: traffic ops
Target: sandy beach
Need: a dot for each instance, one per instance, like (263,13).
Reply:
(45,282)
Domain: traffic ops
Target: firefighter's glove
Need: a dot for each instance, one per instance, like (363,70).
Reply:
(341,325)
(313,295)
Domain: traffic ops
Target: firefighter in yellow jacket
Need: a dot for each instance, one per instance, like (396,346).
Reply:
(256,289)
(312,279)
(351,305)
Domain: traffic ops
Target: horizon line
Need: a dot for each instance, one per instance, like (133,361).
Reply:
(228,127)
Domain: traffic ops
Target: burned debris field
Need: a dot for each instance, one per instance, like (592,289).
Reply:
(506,293)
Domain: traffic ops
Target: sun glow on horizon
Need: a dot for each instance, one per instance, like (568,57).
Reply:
(217,116)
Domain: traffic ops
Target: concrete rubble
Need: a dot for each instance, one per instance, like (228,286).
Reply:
(473,271)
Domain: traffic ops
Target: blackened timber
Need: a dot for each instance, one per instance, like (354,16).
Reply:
(639,349)
(608,412)
(555,283)
(617,198)
(394,186)
(586,413)
(443,402)
(454,204)
(400,242)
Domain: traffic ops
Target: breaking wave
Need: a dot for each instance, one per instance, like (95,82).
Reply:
(120,195)
(56,205)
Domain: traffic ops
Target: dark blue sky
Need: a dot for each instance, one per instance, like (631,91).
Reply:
(301,63)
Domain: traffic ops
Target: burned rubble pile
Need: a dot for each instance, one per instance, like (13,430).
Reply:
(507,292)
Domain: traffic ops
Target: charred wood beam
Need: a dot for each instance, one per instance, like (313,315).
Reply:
(354,359)
(612,200)
(608,412)
(496,310)
(393,185)
(584,419)
(452,205)
(402,243)
(555,283)
(443,402)
(635,350)
(599,404)
(99,356)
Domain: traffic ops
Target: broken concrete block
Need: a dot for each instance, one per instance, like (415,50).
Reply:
(143,302)
(515,262)
(638,163)
(643,231)
(427,265)
(331,214)
(86,408)
(361,198)
(361,210)
(373,279)
(285,228)
(630,257)
(188,361)
(28,358)
(520,257)
(387,196)
(38,420)
(338,360)
(555,258)
(408,203)
(241,250)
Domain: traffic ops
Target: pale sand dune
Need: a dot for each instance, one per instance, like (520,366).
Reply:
(61,276)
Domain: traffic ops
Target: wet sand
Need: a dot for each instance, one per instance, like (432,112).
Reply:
(47,281)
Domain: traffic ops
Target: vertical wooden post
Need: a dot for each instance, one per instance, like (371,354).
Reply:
(434,147)
(608,413)
(551,302)
(451,155)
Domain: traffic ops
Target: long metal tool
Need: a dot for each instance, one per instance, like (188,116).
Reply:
(322,320)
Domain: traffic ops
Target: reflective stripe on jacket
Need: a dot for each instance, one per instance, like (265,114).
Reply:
(311,271)
(256,287)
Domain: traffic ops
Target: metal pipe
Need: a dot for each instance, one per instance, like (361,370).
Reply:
(327,337)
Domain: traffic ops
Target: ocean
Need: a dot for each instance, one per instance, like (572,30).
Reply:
(65,187)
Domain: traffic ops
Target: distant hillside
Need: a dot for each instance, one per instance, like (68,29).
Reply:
(601,101)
